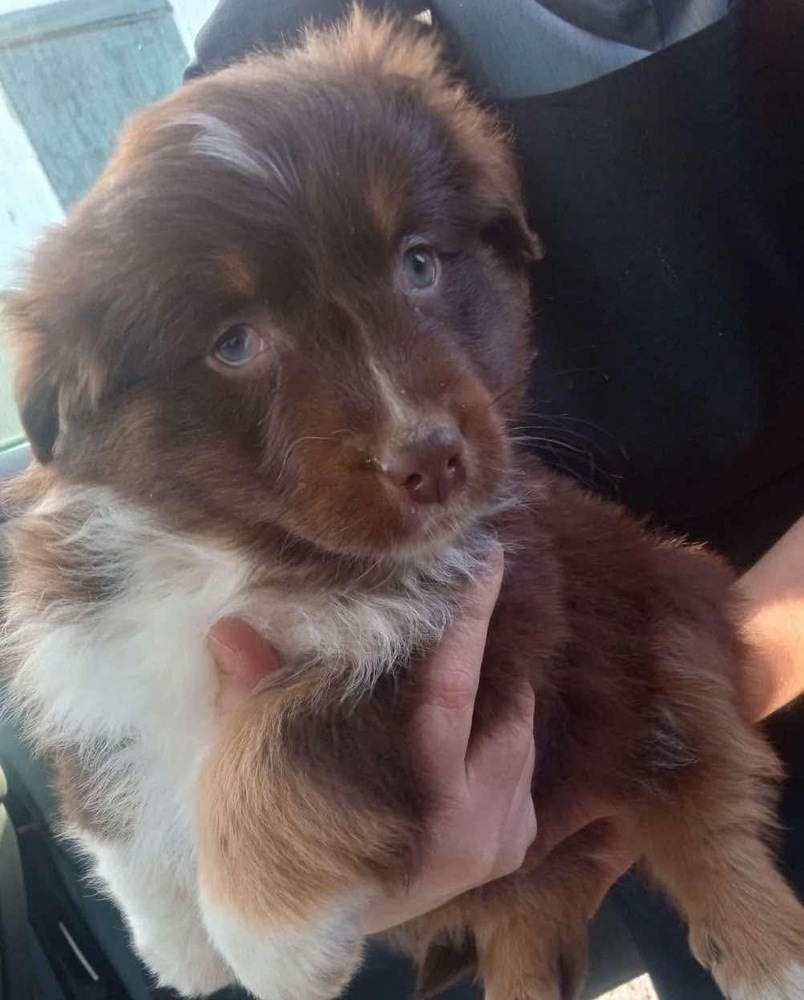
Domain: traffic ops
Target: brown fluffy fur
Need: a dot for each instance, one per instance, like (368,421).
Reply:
(629,639)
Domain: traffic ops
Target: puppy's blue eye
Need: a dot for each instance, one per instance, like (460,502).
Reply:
(238,346)
(420,268)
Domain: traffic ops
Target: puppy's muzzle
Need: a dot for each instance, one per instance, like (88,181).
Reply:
(431,467)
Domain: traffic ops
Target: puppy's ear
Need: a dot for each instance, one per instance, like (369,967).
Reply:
(39,413)
(36,384)
(51,385)
(509,235)
(504,224)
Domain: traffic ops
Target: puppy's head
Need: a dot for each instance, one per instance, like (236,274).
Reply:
(295,301)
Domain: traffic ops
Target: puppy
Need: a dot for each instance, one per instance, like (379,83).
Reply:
(268,369)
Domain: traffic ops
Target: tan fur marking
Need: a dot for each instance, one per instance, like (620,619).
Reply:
(385,207)
(237,276)
(274,846)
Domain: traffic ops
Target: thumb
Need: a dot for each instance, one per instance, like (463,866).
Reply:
(243,660)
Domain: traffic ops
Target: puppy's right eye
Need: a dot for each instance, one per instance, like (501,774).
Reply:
(420,268)
(238,346)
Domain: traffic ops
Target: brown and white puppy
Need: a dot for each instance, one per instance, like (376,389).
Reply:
(267,368)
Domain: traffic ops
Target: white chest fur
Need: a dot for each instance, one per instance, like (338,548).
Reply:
(129,684)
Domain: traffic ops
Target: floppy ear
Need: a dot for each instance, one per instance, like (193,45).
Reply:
(49,388)
(57,376)
(51,393)
(39,412)
(505,226)
(509,235)
(36,386)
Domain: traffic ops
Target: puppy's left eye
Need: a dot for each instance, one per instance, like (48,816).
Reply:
(238,346)
(419,268)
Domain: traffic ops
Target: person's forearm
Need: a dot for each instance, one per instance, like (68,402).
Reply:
(774,590)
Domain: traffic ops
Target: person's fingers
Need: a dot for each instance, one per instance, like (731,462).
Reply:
(443,722)
(522,827)
(585,810)
(620,850)
(496,758)
(500,771)
(243,660)
(614,856)
(616,848)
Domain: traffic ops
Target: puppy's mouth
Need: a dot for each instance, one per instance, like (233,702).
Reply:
(403,499)
(370,515)
(428,487)
(429,529)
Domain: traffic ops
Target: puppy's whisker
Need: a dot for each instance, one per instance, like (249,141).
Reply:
(295,444)
(509,389)
(533,436)
(539,439)
(564,372)
(563,418)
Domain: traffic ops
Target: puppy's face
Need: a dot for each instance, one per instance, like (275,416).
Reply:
(295,302)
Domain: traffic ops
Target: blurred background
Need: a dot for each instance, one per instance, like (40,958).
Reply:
(70,73)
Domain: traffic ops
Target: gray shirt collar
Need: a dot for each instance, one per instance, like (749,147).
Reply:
(544,46)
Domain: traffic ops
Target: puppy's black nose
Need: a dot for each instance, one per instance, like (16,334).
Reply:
(431,467)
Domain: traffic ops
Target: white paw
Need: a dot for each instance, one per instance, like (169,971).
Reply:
(302,962)
(192,973)
(162,915)
(789,985)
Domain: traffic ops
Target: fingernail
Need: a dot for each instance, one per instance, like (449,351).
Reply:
(226,658)
(241,652)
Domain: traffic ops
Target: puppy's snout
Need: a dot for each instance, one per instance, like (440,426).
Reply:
(431,467)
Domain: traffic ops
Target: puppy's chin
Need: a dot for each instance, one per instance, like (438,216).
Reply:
(392,535)
(345,506)
(430,532)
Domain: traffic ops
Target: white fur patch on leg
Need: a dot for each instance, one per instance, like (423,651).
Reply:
(794,983)
(164,920)
(789,986)
(309,962)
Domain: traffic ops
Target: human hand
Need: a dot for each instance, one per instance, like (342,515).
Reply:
(484,823)
(484,820)
(772,592)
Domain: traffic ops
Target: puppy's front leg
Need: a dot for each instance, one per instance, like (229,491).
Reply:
(162,914)
(299,828)
(311,959)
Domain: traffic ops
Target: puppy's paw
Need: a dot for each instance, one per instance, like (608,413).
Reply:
(196,972)
(178,951)
(550,991)
(290,962)
(753,973)
(553,973)
(787,984)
